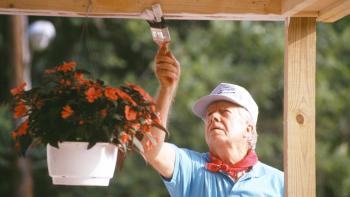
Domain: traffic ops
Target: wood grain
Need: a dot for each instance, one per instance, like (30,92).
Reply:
(335,11)
(299,107)
(292,7)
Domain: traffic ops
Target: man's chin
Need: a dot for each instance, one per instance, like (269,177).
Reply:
(218,143)
(218,136)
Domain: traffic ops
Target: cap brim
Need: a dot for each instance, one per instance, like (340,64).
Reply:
(200,107)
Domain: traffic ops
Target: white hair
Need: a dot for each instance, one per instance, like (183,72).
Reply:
(253,138)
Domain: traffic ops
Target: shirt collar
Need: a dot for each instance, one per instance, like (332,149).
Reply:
(255,172)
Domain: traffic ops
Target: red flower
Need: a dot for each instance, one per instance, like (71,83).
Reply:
(130,114)
(22,130)
(146,128)
(92,94)
(79,77)
(125,96)
(65,82)
(66,112)
(20,110)
(66,67)
(124,138)
(111,93)
(143,93)
(18,90)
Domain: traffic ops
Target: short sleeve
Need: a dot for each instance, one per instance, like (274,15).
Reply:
(179,183)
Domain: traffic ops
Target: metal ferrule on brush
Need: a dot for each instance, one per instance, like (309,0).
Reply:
(160,32)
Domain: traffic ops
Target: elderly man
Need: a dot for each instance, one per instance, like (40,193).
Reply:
(231,167)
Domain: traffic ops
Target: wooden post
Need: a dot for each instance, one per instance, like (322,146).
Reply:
(299,107)
(17,33)
(20,60)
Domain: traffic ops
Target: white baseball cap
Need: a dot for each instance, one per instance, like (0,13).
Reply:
(227,92)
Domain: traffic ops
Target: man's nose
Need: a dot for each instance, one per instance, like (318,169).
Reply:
(215,117)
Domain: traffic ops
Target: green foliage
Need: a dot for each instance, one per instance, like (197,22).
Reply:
(7,153)
(332,105)
(210,52)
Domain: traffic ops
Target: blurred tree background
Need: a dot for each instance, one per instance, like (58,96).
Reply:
(246,53)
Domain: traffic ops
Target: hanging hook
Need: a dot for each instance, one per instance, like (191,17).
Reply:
(83,53)
(88,9)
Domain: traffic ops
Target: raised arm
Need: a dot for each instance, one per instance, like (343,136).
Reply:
(161,156)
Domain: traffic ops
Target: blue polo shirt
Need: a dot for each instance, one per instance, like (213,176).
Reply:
(191,178)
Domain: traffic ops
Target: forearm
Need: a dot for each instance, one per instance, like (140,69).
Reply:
(163,104)
(161,156)
(164,101)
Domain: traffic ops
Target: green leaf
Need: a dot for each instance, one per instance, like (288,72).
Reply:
(125,149)
(118,117)
(150,137)
(25,142)
(138,144)
(91,144)
(54,143)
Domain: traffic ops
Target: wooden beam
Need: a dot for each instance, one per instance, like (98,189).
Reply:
(335,11)
(299,107)
(133,8)
(254,10)
(180,9)
(292,7)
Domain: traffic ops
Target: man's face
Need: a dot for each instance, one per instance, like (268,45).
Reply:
(225,127)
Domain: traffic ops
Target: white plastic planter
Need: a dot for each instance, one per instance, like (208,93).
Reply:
(74,164)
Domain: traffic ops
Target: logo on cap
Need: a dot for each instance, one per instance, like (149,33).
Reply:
(224,89)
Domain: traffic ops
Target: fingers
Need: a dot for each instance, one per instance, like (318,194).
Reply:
(165,59)
(167,75)
(168,63)
(167,78)
(167,67)
(170,54)
(163,49)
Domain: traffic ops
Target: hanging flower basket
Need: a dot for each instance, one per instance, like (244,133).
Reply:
(73,164)
(68,107)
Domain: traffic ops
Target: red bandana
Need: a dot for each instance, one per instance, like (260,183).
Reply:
(217,165)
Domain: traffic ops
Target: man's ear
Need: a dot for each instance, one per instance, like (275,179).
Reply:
(248,131)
